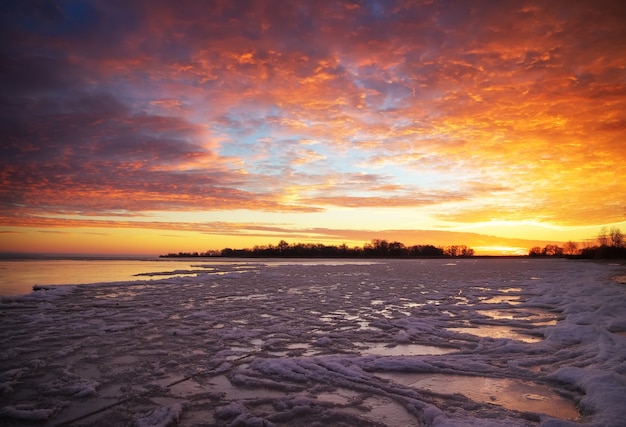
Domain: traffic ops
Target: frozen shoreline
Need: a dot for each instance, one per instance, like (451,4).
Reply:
(240,344)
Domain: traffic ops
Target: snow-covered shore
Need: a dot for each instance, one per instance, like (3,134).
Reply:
(399,342)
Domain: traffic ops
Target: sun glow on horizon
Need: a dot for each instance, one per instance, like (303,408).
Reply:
(501,250)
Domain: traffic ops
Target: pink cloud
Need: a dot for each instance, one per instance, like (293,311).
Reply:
(150,105)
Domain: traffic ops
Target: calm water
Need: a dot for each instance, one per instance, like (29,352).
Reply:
(17,277)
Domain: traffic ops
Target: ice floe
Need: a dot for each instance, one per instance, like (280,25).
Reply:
(400,342)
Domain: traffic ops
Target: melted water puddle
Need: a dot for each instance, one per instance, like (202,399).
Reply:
(495,331)
(502,299)
(510,393)
(381,349)
(368,349)
(536,317)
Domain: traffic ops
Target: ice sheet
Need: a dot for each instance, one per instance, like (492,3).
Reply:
(300,344)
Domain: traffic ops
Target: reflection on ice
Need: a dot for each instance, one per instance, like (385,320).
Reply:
(497,314)
(379,349)
(365,349)
(495,331)
(498,299)
(536,317)
(511,393)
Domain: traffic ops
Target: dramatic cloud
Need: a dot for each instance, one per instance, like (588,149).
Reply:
(456,113)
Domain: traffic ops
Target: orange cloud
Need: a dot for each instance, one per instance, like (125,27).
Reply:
(462,112)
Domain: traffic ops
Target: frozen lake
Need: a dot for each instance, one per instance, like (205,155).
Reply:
(472,342)
(18,276)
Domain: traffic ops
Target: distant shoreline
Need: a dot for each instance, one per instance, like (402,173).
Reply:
(73,257)
(188,256)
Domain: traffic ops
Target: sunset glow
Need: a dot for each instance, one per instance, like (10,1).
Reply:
(147,127)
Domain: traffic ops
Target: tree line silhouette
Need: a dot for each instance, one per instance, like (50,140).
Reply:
(611,245)
(377,248)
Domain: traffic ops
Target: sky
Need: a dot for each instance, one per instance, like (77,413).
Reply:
(150,126)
